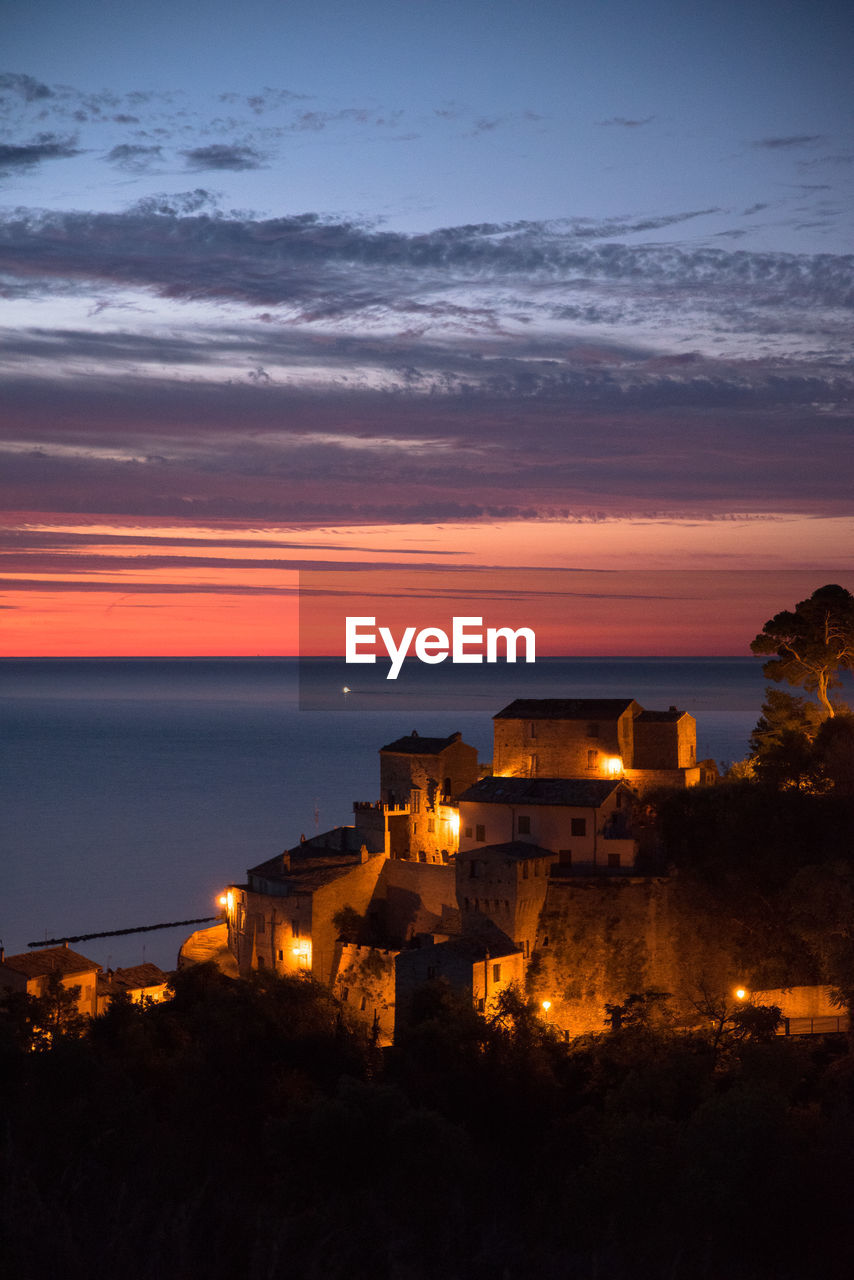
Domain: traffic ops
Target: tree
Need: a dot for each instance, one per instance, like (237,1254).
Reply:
(783,713)
(812,642)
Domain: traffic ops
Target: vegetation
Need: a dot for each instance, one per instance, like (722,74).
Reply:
(811,643)
(245,1128)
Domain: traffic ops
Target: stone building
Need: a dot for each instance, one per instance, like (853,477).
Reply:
(416,816)
(31,971)
(484,881)
(140,982)
(596,738)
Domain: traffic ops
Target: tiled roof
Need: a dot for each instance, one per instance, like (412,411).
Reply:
(310,868)
(135,978)
(566,709)
(35,964)
(578,793)
(414,745)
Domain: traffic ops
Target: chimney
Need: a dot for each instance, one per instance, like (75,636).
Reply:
(286,861)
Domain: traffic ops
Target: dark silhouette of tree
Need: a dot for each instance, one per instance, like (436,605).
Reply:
(811,643)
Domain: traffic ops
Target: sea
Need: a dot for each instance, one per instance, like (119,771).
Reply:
(133,790)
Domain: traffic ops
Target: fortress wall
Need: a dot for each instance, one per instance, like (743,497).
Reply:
(413,897)
(611,938)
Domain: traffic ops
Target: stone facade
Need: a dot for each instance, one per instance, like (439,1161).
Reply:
(524,876)
(596,738)
(31,972)
(583,823)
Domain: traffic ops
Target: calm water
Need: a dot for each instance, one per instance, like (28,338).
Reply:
(132,790)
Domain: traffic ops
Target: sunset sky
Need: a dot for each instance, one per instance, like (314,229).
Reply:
(534,288)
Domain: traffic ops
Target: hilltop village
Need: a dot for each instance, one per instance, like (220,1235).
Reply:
(525,871)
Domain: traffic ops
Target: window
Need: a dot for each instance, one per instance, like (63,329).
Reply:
(481,1005)
(281,955)
(525,871)
(431,824)
(468,833)
(363,1003)
(480,833)
(416,800)
(532,766)
(579,826)
(496,973)
(592,759)
(613,859)
(524,826)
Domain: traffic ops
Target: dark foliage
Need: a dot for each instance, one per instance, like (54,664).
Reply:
(245,1128)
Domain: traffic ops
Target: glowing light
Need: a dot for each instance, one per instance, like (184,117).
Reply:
(740,993)
(454,822)
(547,1004)
(346,689)
(614,765)
(223,899)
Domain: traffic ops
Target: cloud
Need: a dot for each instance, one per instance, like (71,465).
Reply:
(179,204)
(789,140)
(221,155)
(626,122)
(47,146)
(28,88)
(135,158)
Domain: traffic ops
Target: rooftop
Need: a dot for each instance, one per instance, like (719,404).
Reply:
(567,709)
(414,745)
(516,849)
(134,978)
(578,793)
(36,964)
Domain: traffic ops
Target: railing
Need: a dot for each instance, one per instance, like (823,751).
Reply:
(823,1025)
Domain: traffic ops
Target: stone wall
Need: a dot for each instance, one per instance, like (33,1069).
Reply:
(603,939)
(560,748)
(364,982)
(413,898)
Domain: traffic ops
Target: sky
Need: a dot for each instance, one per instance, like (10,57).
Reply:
(497,287)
